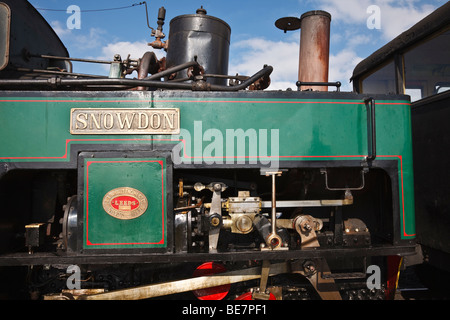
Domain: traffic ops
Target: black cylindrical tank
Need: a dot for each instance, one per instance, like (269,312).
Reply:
(202,36)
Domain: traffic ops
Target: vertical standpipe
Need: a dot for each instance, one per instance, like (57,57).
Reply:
(314,49)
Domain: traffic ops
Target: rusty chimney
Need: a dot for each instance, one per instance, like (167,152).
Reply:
(314,46)
(314,49)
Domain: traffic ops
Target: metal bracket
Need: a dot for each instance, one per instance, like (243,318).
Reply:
(346,275)
(336,84)
(261,293)
(325,287)
(363,182)
(215,213)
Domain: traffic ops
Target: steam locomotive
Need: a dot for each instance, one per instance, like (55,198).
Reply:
(189,183)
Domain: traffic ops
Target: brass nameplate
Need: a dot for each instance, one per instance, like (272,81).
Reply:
(124,121)
(125,203)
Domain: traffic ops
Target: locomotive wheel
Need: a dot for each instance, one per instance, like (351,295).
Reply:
(213,293)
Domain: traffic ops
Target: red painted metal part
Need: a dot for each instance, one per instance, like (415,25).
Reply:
(213,293)
(393,272)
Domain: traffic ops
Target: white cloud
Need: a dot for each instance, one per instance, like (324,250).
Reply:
(90,40)
(60,29)
(396,16)
(79,38)
(397,20)
(341,67)
(354,40)
(135,49)
(282,56)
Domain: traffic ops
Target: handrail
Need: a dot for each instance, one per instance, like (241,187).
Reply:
(371,130)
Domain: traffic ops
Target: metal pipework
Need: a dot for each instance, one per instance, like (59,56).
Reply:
(158,33)
(314,49)
(169,71)
(72,59)
(58,82)
(147,64)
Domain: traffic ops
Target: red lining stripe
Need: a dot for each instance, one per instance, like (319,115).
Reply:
(206,101)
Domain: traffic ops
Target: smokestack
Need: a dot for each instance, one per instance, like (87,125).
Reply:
(314,49)
(314,46)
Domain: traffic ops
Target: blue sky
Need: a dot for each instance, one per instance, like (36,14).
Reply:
(255,40)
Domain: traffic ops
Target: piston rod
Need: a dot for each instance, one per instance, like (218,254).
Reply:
(273,239)
(166,288)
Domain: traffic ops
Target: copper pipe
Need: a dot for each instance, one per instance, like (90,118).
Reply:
(147,64)
(314,49)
